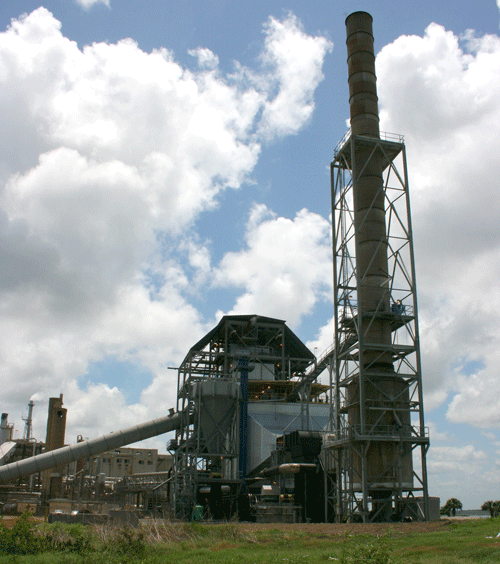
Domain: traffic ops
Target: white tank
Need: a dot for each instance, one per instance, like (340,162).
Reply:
(5,429)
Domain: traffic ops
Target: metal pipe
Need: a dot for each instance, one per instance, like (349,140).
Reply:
(85,449)
(243,366)
(363,99)
(287,468)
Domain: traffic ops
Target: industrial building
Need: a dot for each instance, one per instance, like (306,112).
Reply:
(244,388)
(122,476)
(257,436)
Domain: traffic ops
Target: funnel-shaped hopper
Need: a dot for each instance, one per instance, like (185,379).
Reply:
(218,400)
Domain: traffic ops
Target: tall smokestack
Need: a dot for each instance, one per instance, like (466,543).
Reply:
(369,199)
(56,430)
(378,399)
(377,355)
(28,428)
(363,99)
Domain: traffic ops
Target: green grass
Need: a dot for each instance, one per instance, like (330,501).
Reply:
(462,542)
(459,542)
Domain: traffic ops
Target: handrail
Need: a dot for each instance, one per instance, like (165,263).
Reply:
(353,432)
(384,136)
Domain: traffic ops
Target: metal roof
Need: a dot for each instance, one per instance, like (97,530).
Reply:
(294,347)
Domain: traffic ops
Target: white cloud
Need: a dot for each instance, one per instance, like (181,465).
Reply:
(440,91)
(446,459)
(451,470)
(490,436)
(295,60)
(477,399)
(436,435)
(324,339)
(285,267)
(205,57)
(109,156)
(87,4)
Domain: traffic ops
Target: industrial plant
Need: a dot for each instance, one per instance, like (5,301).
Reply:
(258,436)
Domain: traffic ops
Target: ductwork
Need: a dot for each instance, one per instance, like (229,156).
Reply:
(287,468)
(85,449)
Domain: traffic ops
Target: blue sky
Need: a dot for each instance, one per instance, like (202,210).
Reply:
(163,163)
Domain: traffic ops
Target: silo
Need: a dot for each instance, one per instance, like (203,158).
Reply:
(5,429)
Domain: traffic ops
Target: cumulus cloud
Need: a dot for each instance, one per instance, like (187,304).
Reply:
(205,57)
(437,435)
(449,459)
(294,59)
(109,155)
(452,467)
(285,267)
(440,91)
(324,339)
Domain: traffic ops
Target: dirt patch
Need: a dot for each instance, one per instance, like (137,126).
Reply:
(340,529)
(325,530)
(10,520)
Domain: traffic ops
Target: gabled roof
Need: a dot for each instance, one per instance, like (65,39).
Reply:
(294,347)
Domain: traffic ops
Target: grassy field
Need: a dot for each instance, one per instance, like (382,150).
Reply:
(457,542)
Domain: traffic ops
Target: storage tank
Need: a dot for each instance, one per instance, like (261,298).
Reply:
(5,429)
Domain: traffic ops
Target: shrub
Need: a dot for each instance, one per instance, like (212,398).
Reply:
(21,539)
(129,542)
(68,538)
(374,551)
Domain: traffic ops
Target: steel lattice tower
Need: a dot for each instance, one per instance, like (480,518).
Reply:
(378,383)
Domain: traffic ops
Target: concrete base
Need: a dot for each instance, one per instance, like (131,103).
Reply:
(277,513)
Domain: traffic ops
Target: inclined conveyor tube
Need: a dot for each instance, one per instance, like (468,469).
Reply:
(287,468)
(85,449)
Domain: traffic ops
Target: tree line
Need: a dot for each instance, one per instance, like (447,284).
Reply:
(453,505)
(492,506)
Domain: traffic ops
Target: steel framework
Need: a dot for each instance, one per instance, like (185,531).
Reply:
(243,360)
(379,424)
